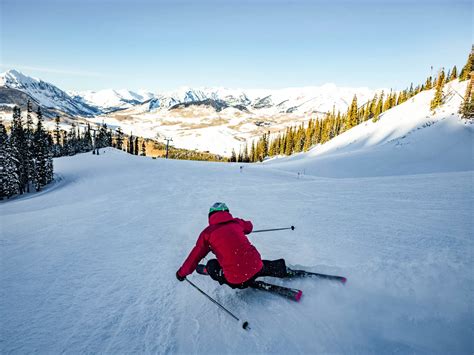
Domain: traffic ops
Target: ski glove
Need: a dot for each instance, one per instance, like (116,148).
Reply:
(180,278)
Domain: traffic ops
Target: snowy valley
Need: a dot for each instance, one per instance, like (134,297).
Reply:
(217,120)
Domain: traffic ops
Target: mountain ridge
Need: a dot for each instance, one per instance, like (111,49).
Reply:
(90,103)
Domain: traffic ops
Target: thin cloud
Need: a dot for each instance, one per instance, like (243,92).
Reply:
(53,70)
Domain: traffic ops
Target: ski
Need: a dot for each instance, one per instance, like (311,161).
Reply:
(290,293)
(302,273)
(201,269)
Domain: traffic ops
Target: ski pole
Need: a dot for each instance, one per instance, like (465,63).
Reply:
(273,229)
(245,324)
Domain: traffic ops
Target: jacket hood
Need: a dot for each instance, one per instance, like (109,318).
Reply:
(220,217)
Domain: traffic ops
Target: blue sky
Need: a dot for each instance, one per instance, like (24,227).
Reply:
(162,45)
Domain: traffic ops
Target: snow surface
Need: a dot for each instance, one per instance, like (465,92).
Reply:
(88,265)
(410,136)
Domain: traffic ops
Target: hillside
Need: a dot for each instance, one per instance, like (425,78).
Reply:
(408,139)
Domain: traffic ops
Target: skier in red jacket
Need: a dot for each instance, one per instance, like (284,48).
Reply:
(238,262)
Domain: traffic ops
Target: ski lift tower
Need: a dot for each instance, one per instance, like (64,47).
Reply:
(168,140)
(94,146)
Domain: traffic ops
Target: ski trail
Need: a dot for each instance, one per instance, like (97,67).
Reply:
(95,270)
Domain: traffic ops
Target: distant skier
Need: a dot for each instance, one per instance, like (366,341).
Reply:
(238,262)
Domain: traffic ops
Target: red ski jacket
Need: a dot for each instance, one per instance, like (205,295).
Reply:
(226,238)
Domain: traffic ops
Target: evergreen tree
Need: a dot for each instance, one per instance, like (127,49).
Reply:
(389,103)
(467,107)
(246,154)
(65,146)
(272,147)
(49,158)
(265,145)
(418,89)
(135,149)
(468,68)
(352,114)
(130,144)
(29,135)
(316,132)
(102,140)
(429,83)
(454,74)
(378,107)
(299,139)
(72,141)
(253,153)
(42,156)
(240,156)
(87,139)
(308,135)
(339,123)
(9,179)
(143,148)
(438,96)
(57,149)
(19,148)
(109,138)
(233,157)
(289,141)
(325,129)
(402,97)
(57,120)
(119,139)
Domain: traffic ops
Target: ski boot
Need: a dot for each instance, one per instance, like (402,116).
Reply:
(201,269)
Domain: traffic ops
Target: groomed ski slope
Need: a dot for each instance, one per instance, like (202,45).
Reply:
(88,265)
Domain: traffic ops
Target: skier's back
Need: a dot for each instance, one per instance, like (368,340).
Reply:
(238,262)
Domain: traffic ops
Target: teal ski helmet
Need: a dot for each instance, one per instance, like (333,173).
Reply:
(218,206)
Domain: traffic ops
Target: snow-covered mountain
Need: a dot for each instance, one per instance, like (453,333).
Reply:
(111,100)
(46,94)
(304,100)
(268,101)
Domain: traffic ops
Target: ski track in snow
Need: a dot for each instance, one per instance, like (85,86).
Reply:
(89,265)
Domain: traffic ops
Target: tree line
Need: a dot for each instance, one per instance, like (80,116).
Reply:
(26,153)
(302,137)
(26,159)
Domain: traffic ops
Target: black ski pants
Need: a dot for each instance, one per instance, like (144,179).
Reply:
(273,268)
